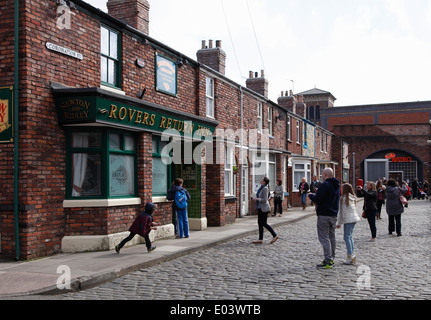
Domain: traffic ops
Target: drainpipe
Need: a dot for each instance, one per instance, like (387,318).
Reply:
(241,154)
(16,127)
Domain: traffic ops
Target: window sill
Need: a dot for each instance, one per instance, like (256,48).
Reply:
(96,203)
(112,89)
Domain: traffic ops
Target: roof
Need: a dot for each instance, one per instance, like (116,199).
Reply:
(316,91)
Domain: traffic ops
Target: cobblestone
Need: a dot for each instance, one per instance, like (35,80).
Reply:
(398,267)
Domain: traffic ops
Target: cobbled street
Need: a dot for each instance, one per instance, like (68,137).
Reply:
(390,268)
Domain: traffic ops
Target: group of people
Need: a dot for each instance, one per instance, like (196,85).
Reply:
(335,206)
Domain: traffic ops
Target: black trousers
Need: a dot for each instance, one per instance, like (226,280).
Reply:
(262,220)
(395,224)
(131,236)
(278,206)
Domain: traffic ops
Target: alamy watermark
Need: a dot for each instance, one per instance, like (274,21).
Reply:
(64,21)
(364,280)
(64,280)
(204,148)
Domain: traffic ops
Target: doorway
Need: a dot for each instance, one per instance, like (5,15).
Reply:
(244,191)
(397,176)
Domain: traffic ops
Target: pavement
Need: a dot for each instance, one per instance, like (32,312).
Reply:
(46,276)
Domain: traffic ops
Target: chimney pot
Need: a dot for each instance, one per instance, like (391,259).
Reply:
(218,43)
(211,44)
(204,44)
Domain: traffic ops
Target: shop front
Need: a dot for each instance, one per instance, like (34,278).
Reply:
(121,153)
(393,164)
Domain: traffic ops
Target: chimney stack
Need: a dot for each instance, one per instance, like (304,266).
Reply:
(215,58)
(135,13)
(287,101)
(258,84)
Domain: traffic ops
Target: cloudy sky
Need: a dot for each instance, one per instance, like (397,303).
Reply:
(362,51)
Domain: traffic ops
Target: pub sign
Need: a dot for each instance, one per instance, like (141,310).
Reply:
(6,114)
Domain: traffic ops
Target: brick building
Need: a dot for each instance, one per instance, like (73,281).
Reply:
(109,117)
(385,140)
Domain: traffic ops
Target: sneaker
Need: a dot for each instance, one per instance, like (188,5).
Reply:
(117,248)
(258,242)
(326,265)
(351,260)
(151,249)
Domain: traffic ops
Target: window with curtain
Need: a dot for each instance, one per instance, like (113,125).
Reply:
(102,165)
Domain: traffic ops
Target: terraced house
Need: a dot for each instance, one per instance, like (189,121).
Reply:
(106,117)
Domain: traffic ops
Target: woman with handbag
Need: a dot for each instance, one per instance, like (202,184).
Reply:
(370,206)
(394,206)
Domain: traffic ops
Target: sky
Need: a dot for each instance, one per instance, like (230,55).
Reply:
(362,51)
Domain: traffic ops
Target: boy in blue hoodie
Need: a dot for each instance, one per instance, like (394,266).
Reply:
(327,200)
(182,225)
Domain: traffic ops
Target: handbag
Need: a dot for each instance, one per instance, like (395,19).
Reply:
(364,214)
(403,199)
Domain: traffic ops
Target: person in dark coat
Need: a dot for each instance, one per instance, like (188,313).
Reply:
(142,226)
(394,207)
(370,206)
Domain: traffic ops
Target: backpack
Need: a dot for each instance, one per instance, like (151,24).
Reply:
(181,200)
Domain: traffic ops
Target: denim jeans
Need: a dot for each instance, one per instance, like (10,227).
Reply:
(348,237)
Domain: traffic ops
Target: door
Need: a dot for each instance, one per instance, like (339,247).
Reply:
(191,174)
(397,176)
(244,191)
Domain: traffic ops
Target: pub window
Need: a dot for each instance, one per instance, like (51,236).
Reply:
(160,169)
(110,57)
(101,165)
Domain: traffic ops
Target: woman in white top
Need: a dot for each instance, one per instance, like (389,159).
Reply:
(348,217)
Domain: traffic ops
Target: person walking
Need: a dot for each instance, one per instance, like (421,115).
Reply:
(278,198)
(327,200)
(370,206)
(348,217)
(142,226)
(263,208)
(303,190)
(394,207)
(180,197)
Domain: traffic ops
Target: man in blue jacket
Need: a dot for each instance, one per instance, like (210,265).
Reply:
(327,200)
